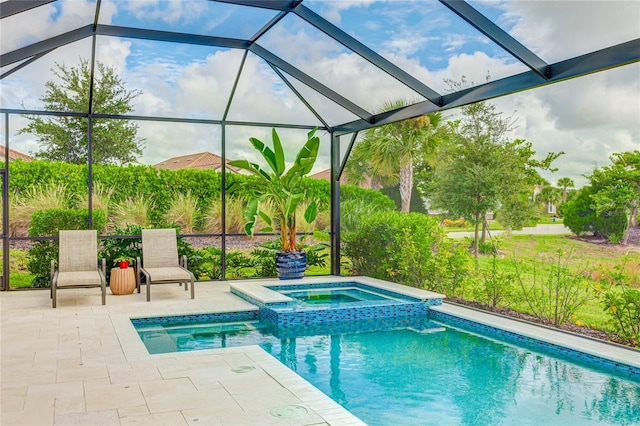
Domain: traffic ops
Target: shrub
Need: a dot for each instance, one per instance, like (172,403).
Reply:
(183,211)
(580,217)
(115,247)
(454,269)
(621,302)
(456,223)
(32,199)
(404,247)
(376,200)
(554,294)
(49,223)
(496,287)
(132,211)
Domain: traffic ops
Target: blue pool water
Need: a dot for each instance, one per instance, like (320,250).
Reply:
(418,372)
(333,296)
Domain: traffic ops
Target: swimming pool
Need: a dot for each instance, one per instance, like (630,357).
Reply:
(402,371)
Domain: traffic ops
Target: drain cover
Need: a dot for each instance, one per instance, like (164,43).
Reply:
(288,411)
(243,369)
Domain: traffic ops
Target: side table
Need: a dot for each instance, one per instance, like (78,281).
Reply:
(122,281)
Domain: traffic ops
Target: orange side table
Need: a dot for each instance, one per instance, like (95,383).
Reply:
(122,281)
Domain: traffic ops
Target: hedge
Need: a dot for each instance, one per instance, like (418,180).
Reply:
(161,186)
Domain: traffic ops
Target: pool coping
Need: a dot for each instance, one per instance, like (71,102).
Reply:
(598,348)
(260,289)
(323,405)
(312,398)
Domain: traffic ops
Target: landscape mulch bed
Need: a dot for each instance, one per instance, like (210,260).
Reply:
(585,331)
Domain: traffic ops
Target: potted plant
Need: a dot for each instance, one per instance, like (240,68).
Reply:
(123,261)
(282,189)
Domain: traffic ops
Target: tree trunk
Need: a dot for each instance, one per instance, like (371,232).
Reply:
(475,239)
(633,214)
(484,228)
(406,184)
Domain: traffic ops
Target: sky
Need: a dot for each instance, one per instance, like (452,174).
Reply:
(588,118)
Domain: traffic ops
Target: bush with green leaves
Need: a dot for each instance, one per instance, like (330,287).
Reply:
(579,215)
(408,248)
(496,286)
(153,191)
(621,302)
(49,223)
(551,290)
(454,269)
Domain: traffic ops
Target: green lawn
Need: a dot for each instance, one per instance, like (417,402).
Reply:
(591,259)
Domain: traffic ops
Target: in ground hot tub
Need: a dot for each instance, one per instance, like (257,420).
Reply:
(333,296)
(320,302)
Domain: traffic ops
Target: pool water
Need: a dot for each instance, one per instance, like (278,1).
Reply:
(333,296)
(426,372)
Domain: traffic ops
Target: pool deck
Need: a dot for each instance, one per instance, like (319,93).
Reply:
(83,363)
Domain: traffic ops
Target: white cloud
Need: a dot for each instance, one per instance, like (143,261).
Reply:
(589,118)
(42,22)
(558,30)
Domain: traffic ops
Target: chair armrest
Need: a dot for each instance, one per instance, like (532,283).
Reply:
(136,267)
(103,266)
(183,261)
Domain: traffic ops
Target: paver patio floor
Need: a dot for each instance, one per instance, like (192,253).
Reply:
(76,365)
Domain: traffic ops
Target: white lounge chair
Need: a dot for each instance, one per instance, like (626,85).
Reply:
(78,263)
(160,263)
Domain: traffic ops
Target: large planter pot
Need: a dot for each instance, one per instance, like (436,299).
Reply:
(291,265)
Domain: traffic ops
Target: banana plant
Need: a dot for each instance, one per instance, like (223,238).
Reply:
(279,186)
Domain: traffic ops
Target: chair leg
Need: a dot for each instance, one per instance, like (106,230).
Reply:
(53,294)
(192,290)
(148,290)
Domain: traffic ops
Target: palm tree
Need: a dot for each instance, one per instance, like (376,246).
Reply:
(390,151)
(549,195)
(565,183)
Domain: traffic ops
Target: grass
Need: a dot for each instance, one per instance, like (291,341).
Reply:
(592,259)
(19,275)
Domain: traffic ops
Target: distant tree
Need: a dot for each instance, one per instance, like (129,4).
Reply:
(549,195)
(565,183)
(389,153)
(619,188)
(478,169)
(65,138)
(579,215)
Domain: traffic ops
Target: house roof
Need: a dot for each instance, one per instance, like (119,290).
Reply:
(14,155)
(324,174)
(200,160)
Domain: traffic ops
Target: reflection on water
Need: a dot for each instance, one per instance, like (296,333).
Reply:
(418,372)
(453,377)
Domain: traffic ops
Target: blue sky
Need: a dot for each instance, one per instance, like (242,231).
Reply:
(588,118)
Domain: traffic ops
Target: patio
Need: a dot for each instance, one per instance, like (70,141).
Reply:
(82,363)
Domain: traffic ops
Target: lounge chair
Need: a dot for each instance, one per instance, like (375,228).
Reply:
(160,262)
(78,263)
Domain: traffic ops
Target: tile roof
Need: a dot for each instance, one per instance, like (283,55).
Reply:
(201,160)
(14,155)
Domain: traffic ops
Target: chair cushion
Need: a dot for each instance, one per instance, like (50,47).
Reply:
(171,274)
(79,278)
